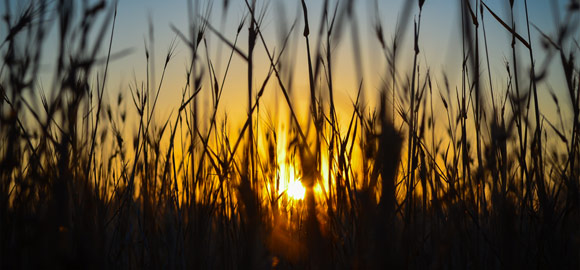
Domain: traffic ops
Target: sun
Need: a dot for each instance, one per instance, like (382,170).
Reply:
(290,184)
(289,181)
(296,190)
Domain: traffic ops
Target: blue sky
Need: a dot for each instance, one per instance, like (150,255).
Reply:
(439,43)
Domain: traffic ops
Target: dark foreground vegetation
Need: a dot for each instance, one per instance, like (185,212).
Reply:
(498,189)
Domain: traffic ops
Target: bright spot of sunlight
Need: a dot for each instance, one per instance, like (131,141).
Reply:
(296,190)
(290,184)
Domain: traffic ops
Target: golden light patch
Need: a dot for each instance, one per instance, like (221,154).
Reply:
(290,184)
(296,190)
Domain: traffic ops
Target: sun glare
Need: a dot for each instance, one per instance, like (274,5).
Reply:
(296,190)
(289,181)
(290,184)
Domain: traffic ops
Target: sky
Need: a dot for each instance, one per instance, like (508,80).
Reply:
(440,47)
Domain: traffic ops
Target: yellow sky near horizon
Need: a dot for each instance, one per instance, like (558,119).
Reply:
(440,45)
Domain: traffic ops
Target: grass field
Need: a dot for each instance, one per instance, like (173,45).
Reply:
(422,173)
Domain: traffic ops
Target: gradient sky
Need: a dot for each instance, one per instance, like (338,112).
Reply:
(440,44)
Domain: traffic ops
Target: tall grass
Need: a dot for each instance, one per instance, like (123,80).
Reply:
(385,191)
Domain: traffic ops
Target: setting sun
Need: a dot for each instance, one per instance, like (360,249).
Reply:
(292,186)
